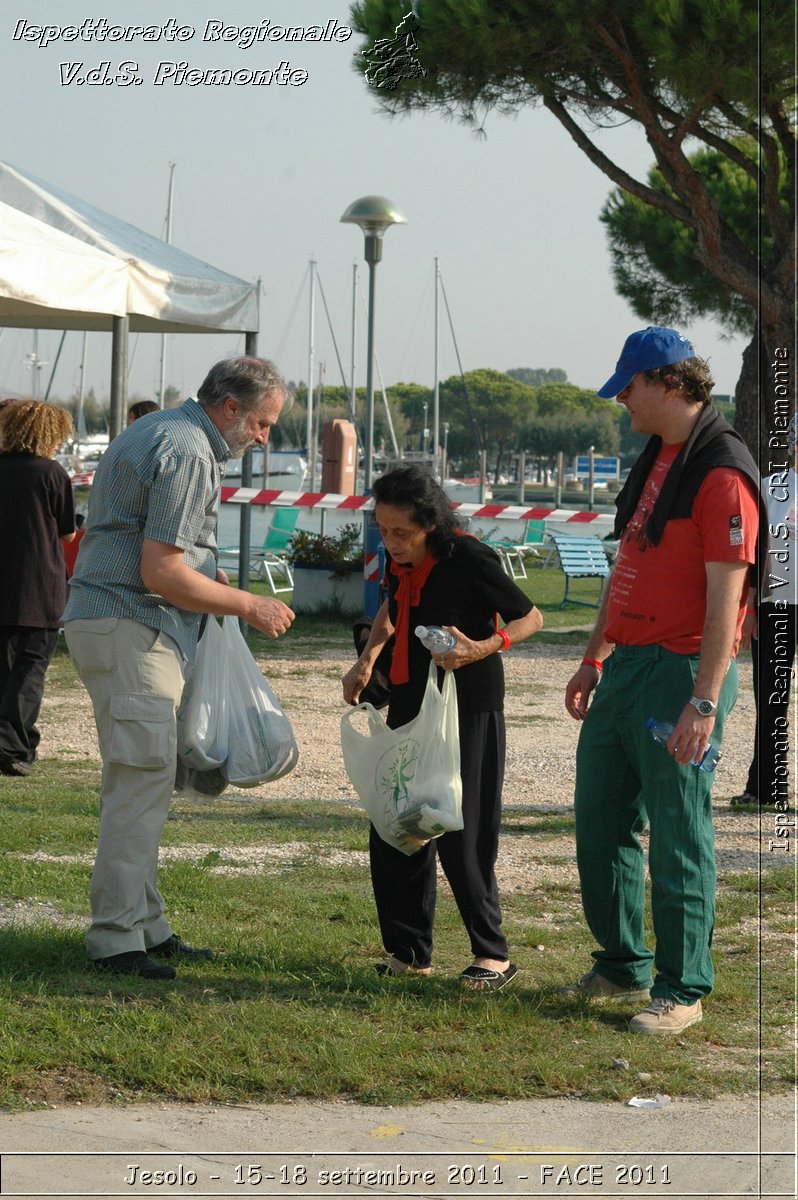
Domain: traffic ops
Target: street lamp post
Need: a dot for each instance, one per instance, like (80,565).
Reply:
(374,214)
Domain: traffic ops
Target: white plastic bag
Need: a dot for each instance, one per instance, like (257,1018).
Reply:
(261,743)
(202,721)
(409,778)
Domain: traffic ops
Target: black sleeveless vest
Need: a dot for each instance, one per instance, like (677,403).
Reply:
(712,443)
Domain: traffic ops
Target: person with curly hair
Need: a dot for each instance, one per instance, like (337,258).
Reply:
(37,516)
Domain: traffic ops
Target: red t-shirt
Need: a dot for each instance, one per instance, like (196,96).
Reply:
(71,551)
(658,593)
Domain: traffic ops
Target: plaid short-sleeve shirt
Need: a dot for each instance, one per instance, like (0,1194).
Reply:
(159,481)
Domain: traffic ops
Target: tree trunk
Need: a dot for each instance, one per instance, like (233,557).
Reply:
(777,401)
(765,396)
(498,467)
(749,419)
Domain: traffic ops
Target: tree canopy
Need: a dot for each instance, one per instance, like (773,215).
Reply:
(537,376)
(689,72)
(654,258)
(572,433)
(564,397)
(492,400)
(656,268)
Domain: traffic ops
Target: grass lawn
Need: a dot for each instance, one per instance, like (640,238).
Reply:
(291,1007)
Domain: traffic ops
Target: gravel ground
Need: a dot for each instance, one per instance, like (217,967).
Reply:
(540,764)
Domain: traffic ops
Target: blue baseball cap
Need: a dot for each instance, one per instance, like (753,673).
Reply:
(644,350)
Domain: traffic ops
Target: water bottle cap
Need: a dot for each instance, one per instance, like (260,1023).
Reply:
(421,631)
(650,722)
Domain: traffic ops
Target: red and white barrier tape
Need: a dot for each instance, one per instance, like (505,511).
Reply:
(333,500)
(371,567)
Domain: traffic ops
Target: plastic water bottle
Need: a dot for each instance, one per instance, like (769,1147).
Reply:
(662,730)
(436,640)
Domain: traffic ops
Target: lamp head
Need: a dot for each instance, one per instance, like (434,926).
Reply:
(374,214)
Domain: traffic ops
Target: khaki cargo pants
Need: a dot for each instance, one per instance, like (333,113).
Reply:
(134,676)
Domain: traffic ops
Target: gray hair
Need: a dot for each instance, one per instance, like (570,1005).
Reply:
(248,380)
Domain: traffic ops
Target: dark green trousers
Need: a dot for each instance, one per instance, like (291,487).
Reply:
(625,781)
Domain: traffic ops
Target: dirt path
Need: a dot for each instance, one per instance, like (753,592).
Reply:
(540,758)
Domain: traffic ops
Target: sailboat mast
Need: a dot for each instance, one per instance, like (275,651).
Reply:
(311,335)
(436,405)
(81,416)
(353,402)
(168,239)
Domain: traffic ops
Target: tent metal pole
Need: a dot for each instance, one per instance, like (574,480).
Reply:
(119,339)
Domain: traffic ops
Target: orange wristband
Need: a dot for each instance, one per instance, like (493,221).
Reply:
(505,641)
(593,662)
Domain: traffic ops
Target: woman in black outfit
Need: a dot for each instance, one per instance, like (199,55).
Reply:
(438,575)
(37,515)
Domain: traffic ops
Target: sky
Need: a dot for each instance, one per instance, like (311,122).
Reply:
(262,176)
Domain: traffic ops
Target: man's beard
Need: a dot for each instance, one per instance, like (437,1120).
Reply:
(239,439)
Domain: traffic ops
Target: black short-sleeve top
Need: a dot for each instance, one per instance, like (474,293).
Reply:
(36,510)
(465,590)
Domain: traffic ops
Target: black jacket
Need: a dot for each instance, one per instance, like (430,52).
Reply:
(712,443)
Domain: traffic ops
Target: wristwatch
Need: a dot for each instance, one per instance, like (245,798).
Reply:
(705,707)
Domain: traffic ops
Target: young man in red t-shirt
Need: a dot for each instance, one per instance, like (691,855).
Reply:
(663,646)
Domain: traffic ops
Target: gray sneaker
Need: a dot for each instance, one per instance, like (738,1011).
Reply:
(665,1015)
(595,987)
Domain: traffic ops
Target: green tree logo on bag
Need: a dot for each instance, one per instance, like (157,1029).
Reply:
(398,765)
(408,778)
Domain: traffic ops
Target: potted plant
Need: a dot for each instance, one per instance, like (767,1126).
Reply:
(328,571)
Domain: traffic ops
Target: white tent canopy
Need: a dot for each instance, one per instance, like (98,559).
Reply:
(164,290)
(39,263)
(65,264)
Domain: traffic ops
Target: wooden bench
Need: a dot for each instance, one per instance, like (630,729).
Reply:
(581,558)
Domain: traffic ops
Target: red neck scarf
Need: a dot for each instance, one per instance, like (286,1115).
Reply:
(408,595)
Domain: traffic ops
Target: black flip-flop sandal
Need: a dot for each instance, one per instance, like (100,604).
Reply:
(479,979)
(387,970)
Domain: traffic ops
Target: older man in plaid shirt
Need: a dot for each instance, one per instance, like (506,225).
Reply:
(147,573)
